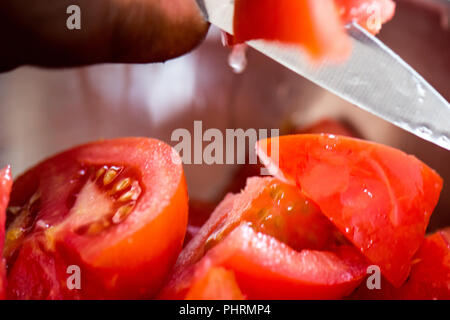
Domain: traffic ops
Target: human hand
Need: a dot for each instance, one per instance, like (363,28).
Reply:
(129,31)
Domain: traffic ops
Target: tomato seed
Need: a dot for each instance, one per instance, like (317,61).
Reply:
(133,194)
(109,177)
(99,173)
(122,213)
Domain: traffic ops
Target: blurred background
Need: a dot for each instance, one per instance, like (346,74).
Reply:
(46,111)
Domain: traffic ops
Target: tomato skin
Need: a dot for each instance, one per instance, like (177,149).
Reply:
(380,198)
(130,259)
(5,189)
(429,278)
(294,21)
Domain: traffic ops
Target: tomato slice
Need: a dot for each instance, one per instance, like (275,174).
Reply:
(117,209)
(270,236)
(379,197)
(370,14)
(429,278)
(5,189)
(313,24)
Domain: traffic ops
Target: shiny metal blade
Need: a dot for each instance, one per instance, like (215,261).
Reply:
(374,78)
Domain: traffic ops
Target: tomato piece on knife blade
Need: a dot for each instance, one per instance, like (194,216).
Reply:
(313,24)
(379,197)
(5,189)
(115,210)
(270,236)
(429,278)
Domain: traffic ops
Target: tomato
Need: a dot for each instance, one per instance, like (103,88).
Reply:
(379,197)
(116,209)
(370,14)
(429,278)
(270,236)
(313,24)
(5,189)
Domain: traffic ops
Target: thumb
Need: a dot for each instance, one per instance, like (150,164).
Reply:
(156,30)
(130,31)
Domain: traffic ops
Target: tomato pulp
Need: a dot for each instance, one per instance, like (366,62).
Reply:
(114,209)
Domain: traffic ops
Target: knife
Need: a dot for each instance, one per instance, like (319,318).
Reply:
(374,78)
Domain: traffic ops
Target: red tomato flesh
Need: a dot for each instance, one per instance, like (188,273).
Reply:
(270,235)
(115,208)
(313,24)
(379,197)
(5,189)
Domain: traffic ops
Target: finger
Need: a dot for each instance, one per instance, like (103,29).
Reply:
(157,30)
(135,31)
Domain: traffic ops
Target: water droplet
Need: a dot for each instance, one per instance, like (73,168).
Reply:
(424,130)
(368,193)
(40,224)
(237,59)
(444,140)
(420,91)
(369,245)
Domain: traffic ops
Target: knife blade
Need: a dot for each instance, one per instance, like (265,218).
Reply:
(374,78)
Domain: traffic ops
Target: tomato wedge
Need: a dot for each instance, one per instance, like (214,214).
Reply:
(313,24)
(116,210)
(379,197)
(269,236)
(429,278)
(5,189)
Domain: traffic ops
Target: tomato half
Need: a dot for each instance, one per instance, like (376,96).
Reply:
(270,236)
(115,209)
(313,24)
(5,189)
(379,197)
(429,278)
(370,14)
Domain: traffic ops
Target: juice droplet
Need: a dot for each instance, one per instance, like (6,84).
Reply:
(421,92)
(237,59)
